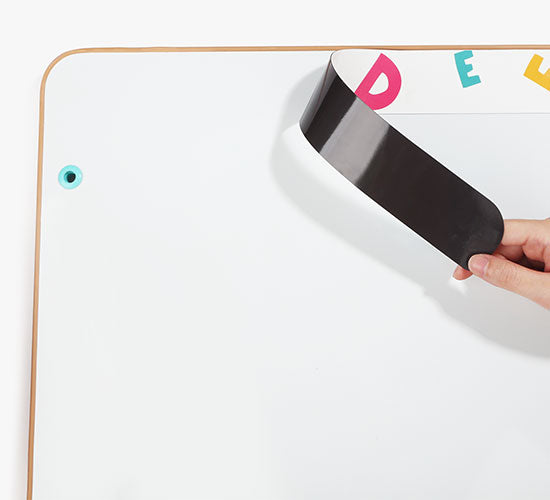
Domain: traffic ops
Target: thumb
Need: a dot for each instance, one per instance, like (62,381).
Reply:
(505,274)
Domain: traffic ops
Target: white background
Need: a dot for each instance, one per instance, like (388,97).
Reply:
(32,33)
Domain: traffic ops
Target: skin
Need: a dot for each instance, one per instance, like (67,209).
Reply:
(521,264)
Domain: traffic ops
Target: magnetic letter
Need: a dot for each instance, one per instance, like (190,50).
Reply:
(533,72)
(378,101)
(464,69)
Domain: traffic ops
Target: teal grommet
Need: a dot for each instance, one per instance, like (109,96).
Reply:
(70,177)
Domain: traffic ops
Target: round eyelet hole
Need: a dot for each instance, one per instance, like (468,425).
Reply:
(70,177)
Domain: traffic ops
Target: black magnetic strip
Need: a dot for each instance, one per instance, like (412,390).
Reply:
(397,174)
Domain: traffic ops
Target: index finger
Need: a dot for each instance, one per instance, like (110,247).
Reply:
(519,232)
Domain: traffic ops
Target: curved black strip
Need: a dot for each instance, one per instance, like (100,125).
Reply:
(397,174)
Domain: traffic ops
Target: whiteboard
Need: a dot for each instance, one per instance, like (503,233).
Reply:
(222,315)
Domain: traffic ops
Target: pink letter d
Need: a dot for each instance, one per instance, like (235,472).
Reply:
(378,101)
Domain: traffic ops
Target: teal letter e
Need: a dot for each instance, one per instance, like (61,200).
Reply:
(464,69)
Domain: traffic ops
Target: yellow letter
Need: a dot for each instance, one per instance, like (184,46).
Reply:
(533,72)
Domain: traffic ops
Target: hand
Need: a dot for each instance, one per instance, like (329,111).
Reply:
(520,264)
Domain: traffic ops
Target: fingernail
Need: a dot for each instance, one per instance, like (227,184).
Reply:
(455,274)
(478,264)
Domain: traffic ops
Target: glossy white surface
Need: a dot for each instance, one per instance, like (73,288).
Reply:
(222,315)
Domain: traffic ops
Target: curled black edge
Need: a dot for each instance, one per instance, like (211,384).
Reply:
(397,174)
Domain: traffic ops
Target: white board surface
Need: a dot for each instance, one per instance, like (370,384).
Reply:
(222,315)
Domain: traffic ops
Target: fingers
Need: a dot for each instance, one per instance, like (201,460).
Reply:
(519,232)
(501,272)
(526,242)
(531,237)
(515,265)
(511,252)
(461,273)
